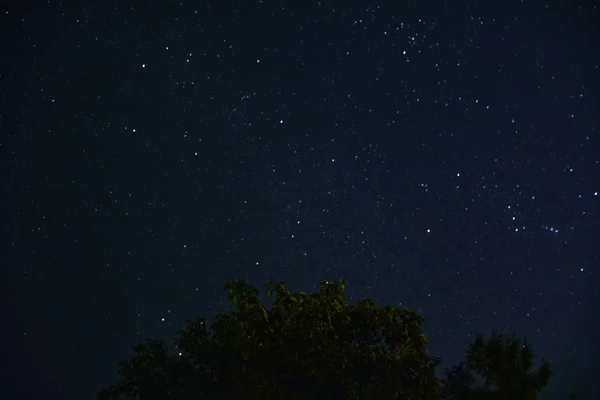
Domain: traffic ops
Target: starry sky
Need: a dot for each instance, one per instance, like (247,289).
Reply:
(436,155)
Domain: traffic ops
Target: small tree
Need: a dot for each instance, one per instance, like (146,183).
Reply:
(505,366)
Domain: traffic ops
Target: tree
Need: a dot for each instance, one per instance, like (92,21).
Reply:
(504,364)
(307,346)
(315,346)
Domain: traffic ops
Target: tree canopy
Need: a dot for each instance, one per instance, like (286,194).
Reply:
(316,346)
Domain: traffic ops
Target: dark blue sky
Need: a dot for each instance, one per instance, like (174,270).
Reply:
(441,156)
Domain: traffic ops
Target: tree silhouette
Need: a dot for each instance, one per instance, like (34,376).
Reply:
(315,346)
(504,364)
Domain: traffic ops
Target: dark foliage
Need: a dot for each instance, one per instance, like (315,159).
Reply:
(315,346)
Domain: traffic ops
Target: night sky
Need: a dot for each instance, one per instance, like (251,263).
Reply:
(440,156)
